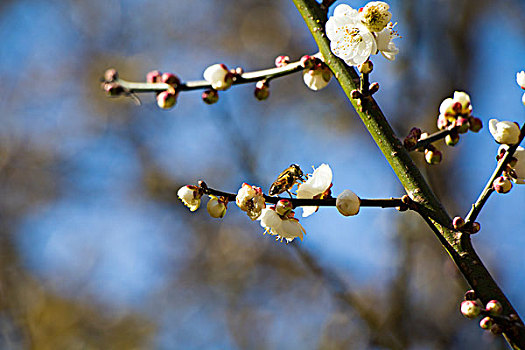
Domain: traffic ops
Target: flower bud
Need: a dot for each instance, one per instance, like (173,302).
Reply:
(113,89)
(281,61)
(470,294)
(307,61)
(502,185)
(475,124)
(153,77)
(458,222)
(348,203)
(262,90)
(470,309)
(504,132)
(317,78)
(520,79)
(494,307)
(216,207)
(210,96)
(110,75)
(166,99)
(442,122)
(373,88)
(283,207)
(219,77)
(190,196)
(170,79)
(486,323)
(366,67)
(462,125)
(433,156)
(452,139)
(474,228)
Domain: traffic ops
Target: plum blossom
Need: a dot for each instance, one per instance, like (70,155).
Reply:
(317,186)
(457,111)
(348,203)
(251,200)
(191,196)
(354,36)
(217,207)
(284,227)
(504,132)
(218,76)
(518,165)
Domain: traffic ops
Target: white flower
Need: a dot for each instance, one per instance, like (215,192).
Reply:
(349,38)
(316,186)
(251,200)
(354,36)
(190,196)
(283,227)
(520,79)
(519,165)
(375,15)
(348,203)
(384,42)
(216,207)
(317,78)
(218,76)
(504,132)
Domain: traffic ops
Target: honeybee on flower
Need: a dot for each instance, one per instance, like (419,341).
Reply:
(286,180)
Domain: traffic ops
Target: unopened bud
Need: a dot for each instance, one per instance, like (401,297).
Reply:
(433,156)
(494,307)
(113,89)
(442,122)
(262,90)
(457,107)
(462,125)
(166,99)
(366,67)
(486,323)
(153,77)
(307,61)
(452,139)
(281,61)
(474,228)
(216,207)
(458,222)
(110,75)
(502,185)
(496,329)
(374,87)
(356,94)
(475,124)
(470,309)
(210,96)
(170,79)
(283,207)
(470,294)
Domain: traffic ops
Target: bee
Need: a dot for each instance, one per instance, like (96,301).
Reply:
(286,180)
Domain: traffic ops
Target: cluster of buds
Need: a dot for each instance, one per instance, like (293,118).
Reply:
(220,78)
(316,74)
(191,196)
(110,83)
(455,113)
(168,98)
(514,172)
(432,154)
(471,308)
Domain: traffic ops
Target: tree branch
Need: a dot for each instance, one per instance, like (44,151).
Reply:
(457,245)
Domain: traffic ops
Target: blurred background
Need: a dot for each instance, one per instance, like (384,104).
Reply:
(98,253)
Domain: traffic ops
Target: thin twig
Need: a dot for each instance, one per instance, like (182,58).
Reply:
(487,191)
(244,78)
(441,134)
(300,202)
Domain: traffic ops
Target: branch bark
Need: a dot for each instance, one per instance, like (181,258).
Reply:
(456,243)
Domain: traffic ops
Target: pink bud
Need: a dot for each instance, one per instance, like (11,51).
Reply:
(170,79)
(166,99)
(458,222)
(470,309)
(457,107)
(307,61)
(210,96)
(486,323)
(442,122)
(110,75)
(153,77)
(502,185)
(462,125)
(494,307)
(113,89)
(281,61)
